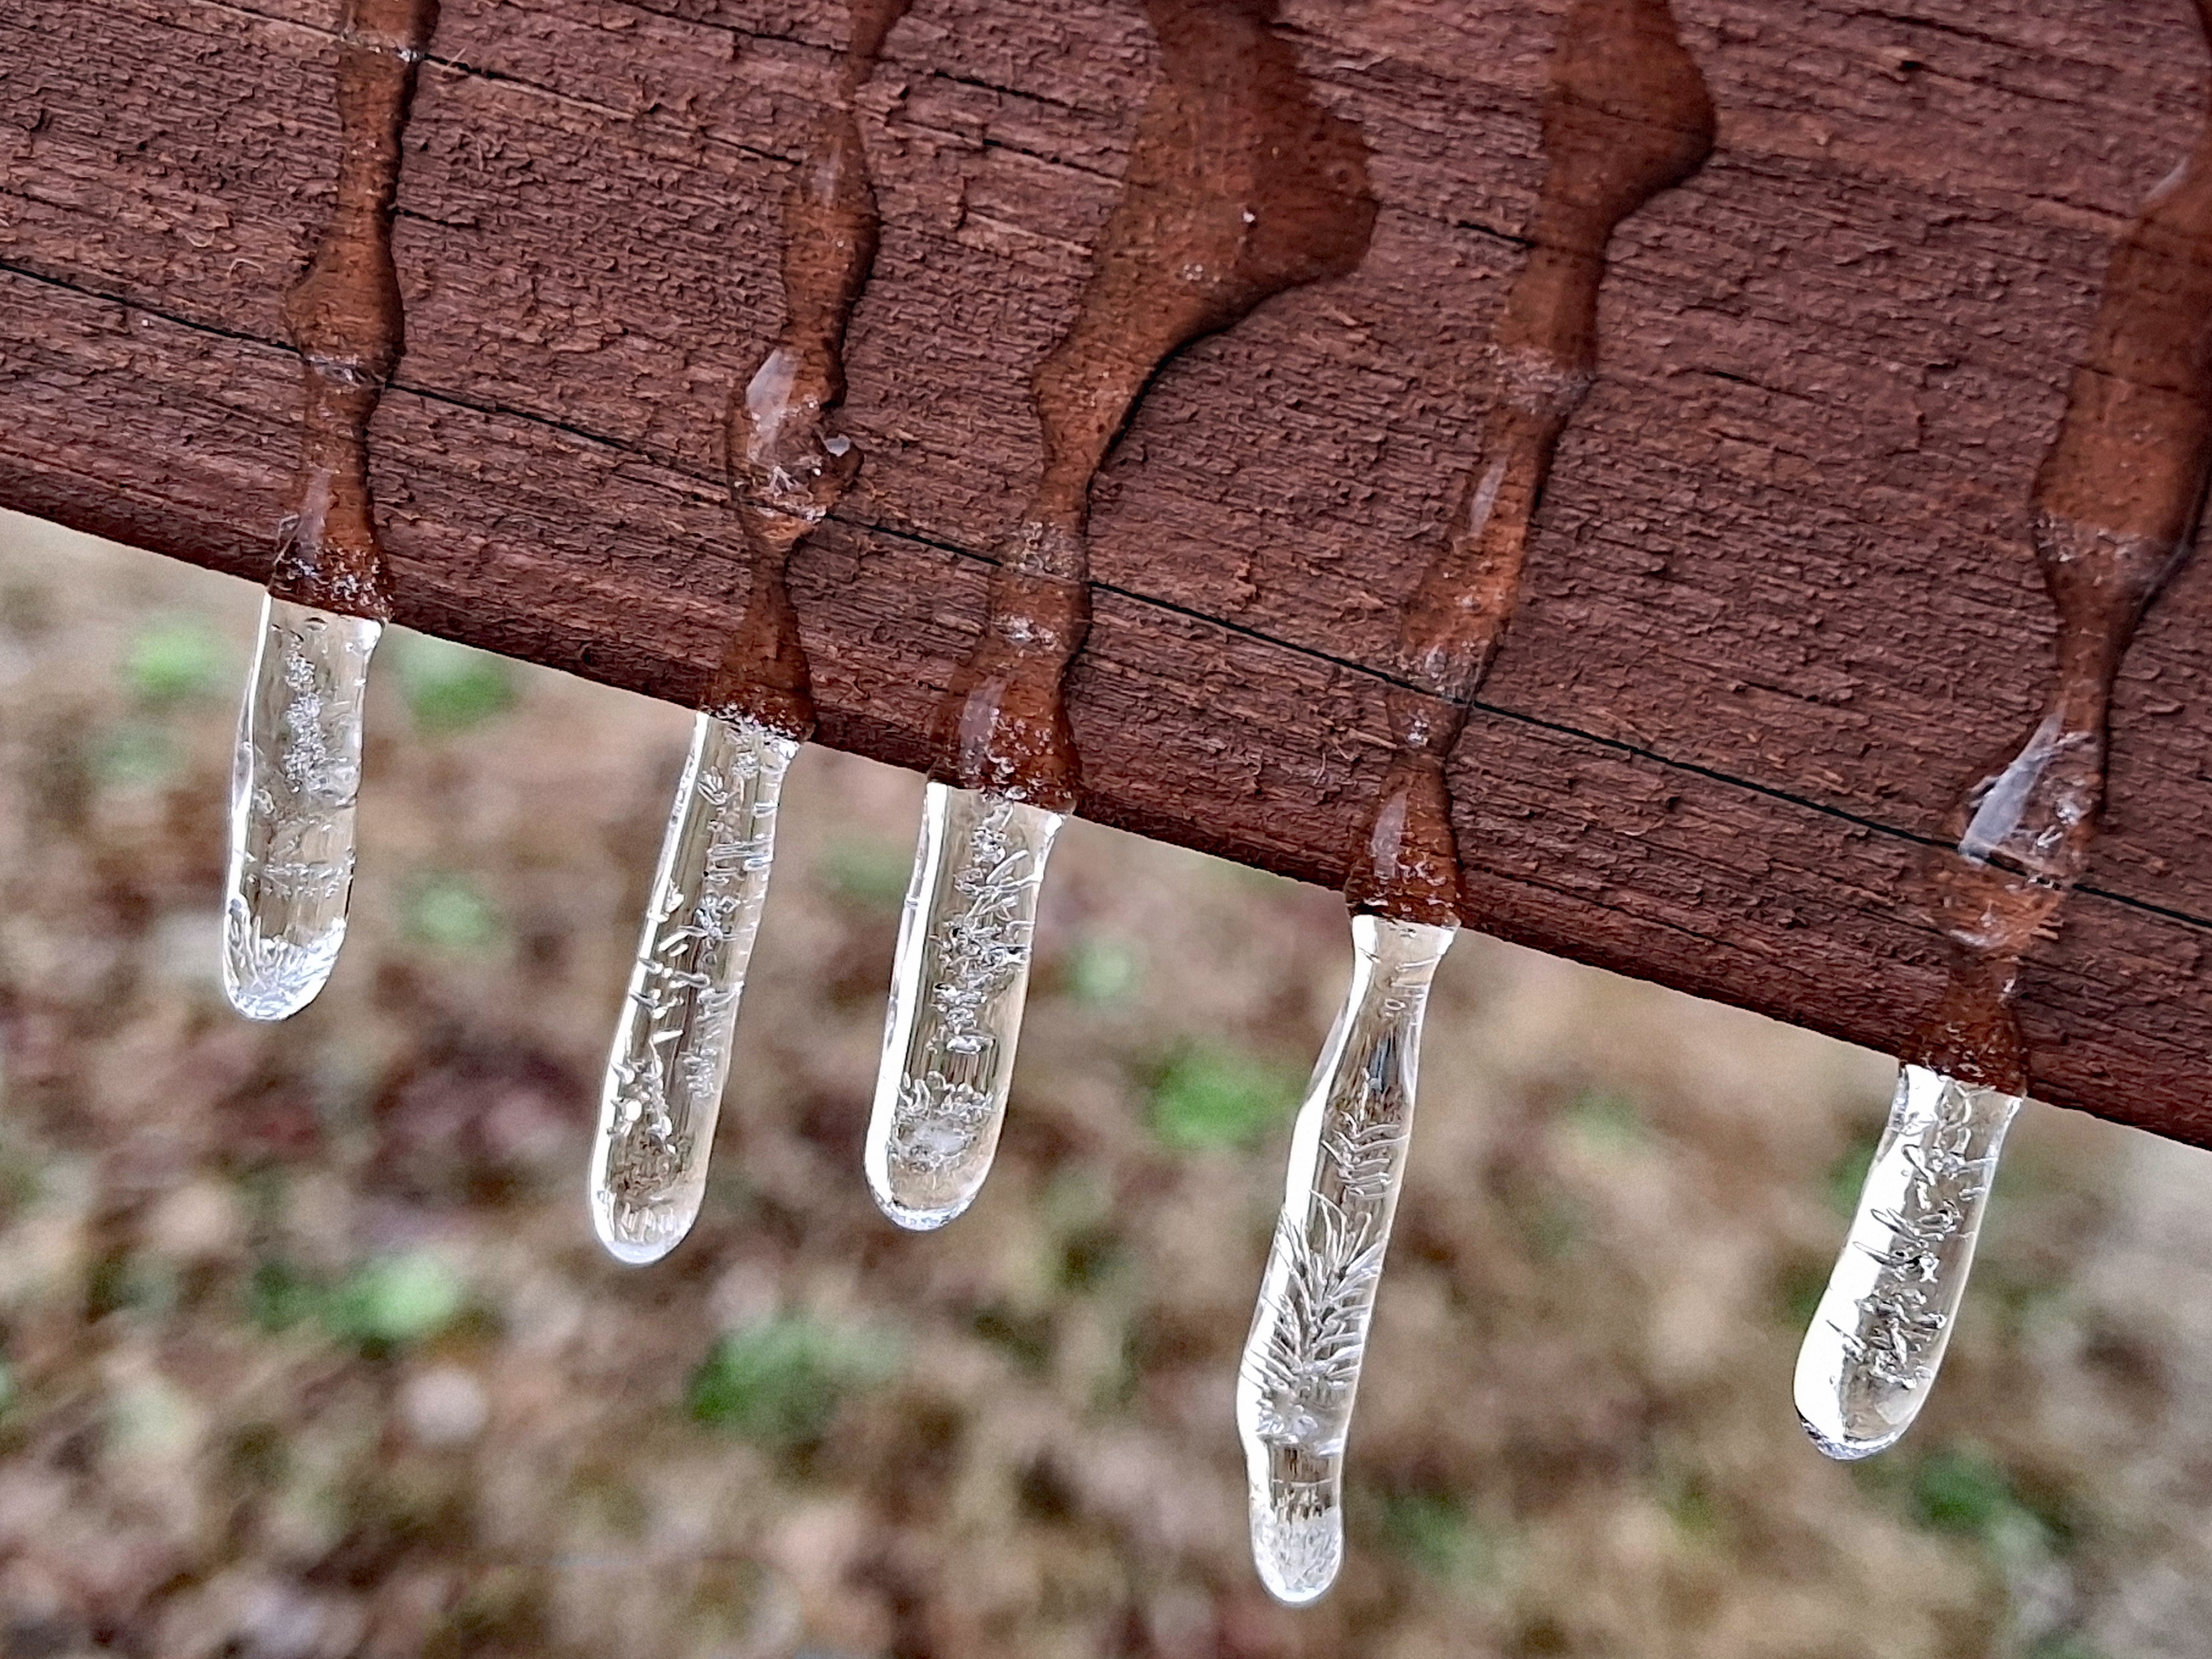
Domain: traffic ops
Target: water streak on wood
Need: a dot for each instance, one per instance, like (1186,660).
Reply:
(1239,187)
(1625,115)
(786,468)
(345,318)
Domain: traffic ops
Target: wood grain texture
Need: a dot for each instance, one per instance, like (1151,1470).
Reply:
(1779,606)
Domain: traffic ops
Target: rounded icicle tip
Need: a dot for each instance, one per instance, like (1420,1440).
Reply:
(928,1154)
(637,1239)
(266,978)
(295,778)
(1297,1542)
(635,1255)
(958,983)
(1826,1427)
(662,1094)
(918,1220)
(1877,1339)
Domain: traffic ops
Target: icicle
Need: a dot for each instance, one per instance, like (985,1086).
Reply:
(1301,1364)
(1625,115)
(671,1050)
(958,982)
(294,779)
(1871,1355)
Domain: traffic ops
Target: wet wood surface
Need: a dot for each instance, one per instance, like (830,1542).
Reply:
(1780,603)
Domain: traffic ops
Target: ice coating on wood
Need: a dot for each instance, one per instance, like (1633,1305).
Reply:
(960,977)
(294,779)
(1625,115)
(2115,512)
(787,467)
(1239,187)
(663,1091)
(1300,1366)
(1879,1335)
(2114,515)
(345,318)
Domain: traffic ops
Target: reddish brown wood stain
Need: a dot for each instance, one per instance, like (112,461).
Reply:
(786,469)
(1625,115)
(344,318)
(2116,510)
(1239,187)
(1779,600)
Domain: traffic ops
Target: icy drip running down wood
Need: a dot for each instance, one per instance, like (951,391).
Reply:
(2115,512)
(671,1059)
(297,768)
(1239,187)
(1625,115)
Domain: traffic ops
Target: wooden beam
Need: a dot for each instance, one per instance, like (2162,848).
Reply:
(1780,607)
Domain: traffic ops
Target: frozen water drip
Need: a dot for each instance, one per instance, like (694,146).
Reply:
(294,780)
(663,1091)
(1301,1365)
(960,977)
(1878,1337)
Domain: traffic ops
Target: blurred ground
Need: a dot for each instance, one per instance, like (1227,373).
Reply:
(308,1351)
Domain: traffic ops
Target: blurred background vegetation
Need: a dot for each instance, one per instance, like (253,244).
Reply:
(306,1348)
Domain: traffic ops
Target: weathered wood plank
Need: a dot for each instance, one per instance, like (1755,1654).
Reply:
(1781,604)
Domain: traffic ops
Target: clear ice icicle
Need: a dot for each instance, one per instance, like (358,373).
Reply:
(295,781)
(662,1090)
(1871,1355)
(957,985)
(1301,1364)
